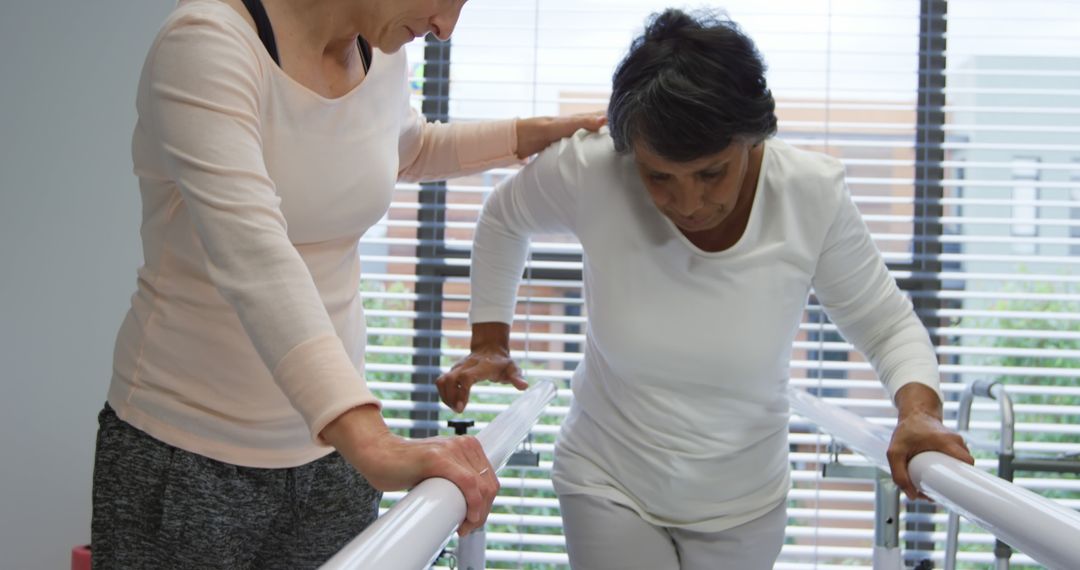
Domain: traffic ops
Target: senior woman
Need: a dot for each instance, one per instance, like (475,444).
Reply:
(702,237)
(263,153)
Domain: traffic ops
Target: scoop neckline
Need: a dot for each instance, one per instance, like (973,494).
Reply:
(751,223)
(238,20)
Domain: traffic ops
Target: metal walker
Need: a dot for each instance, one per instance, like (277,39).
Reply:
(1008,463)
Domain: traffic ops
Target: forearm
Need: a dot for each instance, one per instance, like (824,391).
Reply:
(436,151)
(490,336)
(915,398)
(354,431)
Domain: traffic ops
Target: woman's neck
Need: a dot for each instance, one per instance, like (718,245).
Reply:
(330,26)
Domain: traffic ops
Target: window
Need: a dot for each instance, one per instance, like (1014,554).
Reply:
(928,104)
(1025,210)
(1074,195)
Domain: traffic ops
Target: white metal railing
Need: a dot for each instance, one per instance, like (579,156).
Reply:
(413,532)
(1042,529)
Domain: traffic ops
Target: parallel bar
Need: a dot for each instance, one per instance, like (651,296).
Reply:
(1035,525)
(412,533)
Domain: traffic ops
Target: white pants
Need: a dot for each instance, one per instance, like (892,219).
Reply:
(602,535)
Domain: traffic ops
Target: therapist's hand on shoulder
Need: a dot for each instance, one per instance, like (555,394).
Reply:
(393,463)
(489,360)
(537,133)
(919,429)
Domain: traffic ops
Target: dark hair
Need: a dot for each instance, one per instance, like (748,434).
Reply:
(690,85)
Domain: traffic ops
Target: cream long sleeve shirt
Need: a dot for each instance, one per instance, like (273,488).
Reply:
(246,333)
(680,403)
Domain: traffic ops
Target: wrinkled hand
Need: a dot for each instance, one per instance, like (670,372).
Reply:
(536,133)
(915,433)
(492,364)
(392,463)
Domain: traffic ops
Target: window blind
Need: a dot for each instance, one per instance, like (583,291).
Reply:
(958,123)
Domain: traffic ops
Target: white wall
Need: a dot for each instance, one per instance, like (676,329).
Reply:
(69,215)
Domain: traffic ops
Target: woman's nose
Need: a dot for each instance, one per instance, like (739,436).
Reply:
(442,24)
(688,201)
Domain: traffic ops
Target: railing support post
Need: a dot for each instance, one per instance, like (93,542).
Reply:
(887,553)
(471,550)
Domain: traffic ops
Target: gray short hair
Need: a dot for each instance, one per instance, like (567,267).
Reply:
(689,86)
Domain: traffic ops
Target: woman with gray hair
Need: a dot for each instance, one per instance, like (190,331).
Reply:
(702,237)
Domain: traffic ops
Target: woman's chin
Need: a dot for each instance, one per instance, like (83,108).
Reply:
(691,226)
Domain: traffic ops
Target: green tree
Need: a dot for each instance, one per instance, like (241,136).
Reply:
(376,303)
(1046,311)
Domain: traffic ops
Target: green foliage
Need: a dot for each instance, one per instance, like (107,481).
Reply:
(508,475)
(387,340)
(1026,316)
(1017,316)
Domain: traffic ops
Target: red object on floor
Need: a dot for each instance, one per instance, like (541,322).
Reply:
(80,558)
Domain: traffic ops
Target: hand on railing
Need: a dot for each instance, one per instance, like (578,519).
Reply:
(392,463)
(412,532)
(919,429)
(1035,525)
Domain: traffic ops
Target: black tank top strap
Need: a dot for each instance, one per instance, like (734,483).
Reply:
(262,25)
(365,53)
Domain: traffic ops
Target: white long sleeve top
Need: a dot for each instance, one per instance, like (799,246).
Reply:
(246,333)
(680,406)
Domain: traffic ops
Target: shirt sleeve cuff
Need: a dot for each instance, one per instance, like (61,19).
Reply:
(322,382)
(491,315)
(894,387)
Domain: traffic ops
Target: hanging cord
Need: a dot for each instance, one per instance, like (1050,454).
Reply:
(526,363)
(822,317)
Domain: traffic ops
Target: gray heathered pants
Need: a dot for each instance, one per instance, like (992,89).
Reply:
(156,506)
